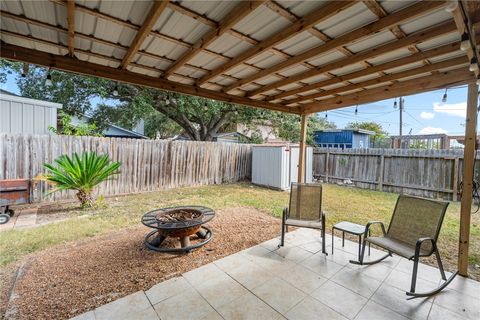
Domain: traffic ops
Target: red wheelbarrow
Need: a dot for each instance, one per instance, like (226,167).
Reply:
(12,192)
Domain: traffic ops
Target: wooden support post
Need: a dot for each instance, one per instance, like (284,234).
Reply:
(302,149)
(467,180)
(455,179)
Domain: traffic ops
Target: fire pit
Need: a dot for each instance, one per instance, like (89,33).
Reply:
(178,222)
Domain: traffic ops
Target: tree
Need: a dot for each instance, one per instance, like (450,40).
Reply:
(165,114)
(67,128)
(381,138)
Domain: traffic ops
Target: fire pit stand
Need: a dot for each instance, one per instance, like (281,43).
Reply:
(179,222)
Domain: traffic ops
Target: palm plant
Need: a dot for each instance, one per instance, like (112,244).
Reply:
(81,173)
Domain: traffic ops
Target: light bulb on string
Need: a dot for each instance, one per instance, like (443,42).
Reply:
(167,101)
(326,115)
(444,98)
(356,110)
(465,42)
(48,81)
(473,64)
(478,80)
(115,91)
(395,104)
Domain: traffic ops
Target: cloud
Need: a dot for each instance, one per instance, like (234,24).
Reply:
(427,115)
(454,109)
(432,130)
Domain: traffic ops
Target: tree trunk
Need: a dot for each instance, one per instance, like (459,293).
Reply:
(86,198)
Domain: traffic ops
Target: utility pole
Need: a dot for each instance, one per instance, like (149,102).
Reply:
(401,121)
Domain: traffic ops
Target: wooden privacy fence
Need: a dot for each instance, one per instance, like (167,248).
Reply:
(425,173)
(147,165)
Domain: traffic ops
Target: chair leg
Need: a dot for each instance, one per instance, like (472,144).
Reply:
(284,228)
(440,264)
(414,274)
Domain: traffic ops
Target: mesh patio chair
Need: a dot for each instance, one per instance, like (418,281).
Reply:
(305,210)
(412,233)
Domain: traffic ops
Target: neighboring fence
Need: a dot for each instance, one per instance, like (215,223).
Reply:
(425,173)
(147,165)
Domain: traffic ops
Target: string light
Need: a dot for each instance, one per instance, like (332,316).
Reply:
(326,115)
(473,64)
(167,101)
(444,98)
(395,104)
(465,44)
(115,90)
(451,5)
(25,70)
(356,110)
(48,81)
(478,80)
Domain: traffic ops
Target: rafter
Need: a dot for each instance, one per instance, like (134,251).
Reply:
(71,26)
(383,23)
(387,78)
(327,11)
(70,64)
(418,85)
(417,37)
(438,51)
(238,13)
(157,9)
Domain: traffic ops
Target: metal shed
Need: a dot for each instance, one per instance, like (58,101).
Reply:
(25,115)
(277,166)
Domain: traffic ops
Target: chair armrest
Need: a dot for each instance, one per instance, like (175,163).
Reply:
(367,227)
(420,241)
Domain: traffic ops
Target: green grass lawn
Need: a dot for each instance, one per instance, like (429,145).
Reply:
(340,203)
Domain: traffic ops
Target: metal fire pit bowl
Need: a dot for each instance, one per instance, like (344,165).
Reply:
(178,229)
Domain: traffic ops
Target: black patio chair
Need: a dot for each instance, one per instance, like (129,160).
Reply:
(412,233)
(305,210)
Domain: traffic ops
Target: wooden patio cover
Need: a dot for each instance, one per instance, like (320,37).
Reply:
(292,56)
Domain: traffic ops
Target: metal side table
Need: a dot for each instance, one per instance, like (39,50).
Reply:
(352,228)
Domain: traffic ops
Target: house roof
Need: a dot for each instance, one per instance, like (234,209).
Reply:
(293,56)
(114,130)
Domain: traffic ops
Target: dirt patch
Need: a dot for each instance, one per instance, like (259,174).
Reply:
(68,280)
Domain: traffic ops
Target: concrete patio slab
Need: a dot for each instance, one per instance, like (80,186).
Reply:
(297,282)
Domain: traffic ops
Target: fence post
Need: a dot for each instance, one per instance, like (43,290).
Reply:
(380,178)
(326,165)
(455,179)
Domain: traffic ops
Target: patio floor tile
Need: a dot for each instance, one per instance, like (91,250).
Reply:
(340,299)
(402,280)
(462,304)
(357,282)
(439,313)
(274,263)
(250,275)
(167,289)
(256,251)
(135,306)
(296,254)
(425,272)
(204,274)
(311,308)
(221,290)
(271,244)
(395,299)
(342,257)
(187,305)
(279,294)
(318,263)
(303,279)
(377,271)
(248,307)
(313,247)
(465,286)
(231,262)
(374,311)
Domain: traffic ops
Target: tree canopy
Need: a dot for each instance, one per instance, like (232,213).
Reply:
(165,114)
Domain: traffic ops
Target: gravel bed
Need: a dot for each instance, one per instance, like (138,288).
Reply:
(70,279)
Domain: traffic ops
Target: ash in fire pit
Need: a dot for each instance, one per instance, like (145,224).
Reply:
(178,222)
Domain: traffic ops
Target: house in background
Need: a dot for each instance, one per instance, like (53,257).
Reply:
(114,131)
(24,115)
(343,138)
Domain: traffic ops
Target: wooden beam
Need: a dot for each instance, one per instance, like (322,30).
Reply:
(71,26)
(238,13)
(403,88)
(463,23)
(387,78)
(157,9)
(302,148)
(383,23)
(449,48)
(325,12)
(70,64)
(417,37)
(467,179)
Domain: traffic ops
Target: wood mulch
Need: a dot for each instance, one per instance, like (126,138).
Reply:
(70,279)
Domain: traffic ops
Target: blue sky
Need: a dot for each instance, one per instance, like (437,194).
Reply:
(424,113)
